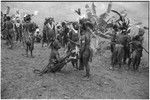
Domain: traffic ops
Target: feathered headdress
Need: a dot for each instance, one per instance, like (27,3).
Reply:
(78,11)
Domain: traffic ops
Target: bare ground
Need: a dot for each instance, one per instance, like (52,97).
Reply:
(19,81)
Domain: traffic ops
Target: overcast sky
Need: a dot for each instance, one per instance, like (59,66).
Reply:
(137,11)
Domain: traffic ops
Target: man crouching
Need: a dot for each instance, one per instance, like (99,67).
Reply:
(55,62)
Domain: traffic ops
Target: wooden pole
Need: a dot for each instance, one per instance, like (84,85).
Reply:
(145,50)
(79,34)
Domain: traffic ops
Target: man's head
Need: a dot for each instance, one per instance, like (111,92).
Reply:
(18,20)
(27,18)
(124,32)
(8,18)
(89,25)
(85,24)
(55,44)
(86,6)
(141,31)
(51,19)
(46,21)
(115,27)
(17,11)
(63,24)
(75,26)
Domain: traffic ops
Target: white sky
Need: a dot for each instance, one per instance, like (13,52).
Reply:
(137,11)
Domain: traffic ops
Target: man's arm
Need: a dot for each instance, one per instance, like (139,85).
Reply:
(92,33)
(4,26)
(57,56)
(73,42)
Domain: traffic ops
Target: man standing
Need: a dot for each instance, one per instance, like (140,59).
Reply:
(86,52)
(139,38)
(8,26)
(64,33)
(18,29)
(28,35)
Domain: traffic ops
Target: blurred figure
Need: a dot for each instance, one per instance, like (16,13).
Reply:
(8,27)
(88,11)
(17,15)
(18,30)
(86,52)
(28,34)
(37,35)
(136,48)
(65,31)
(140,38)
(48,31)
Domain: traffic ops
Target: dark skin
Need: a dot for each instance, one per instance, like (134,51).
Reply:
(8,26)
(30,27)
(29,48)
(18,31)
(136,52)
(55,62)
(85,52)
(54,58)
(72,43)
(65,31)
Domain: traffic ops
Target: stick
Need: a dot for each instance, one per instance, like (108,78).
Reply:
(73,42)
(142,47)
(145,50)
(79,34)
(92,33)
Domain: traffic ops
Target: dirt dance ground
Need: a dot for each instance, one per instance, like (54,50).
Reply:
(19,82)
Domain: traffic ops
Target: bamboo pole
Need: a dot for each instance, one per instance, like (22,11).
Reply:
(145,50)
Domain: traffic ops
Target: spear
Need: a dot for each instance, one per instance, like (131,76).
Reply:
(79,13)
(79,33)
(142,47)
(145,50)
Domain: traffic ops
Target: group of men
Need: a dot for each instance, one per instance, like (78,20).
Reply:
(126,48)
(14,29)
(65,35)
(76,38)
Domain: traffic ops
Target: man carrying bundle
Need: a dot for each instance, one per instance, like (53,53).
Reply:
(55,63)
